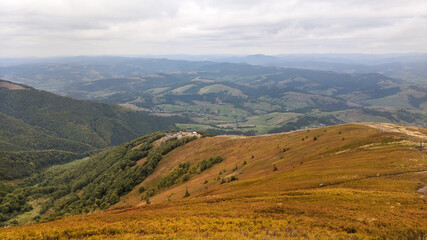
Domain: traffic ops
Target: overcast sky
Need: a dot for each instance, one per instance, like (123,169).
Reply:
(133,27)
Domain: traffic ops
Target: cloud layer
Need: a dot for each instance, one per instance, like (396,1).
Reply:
(132,27)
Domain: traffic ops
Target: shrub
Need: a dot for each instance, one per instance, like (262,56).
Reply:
(233,178)
(274,168)
(141,189)
(150,192)
(174,175)
(186,177)
(187,194)
(205,164)
(36,218)
(14,223)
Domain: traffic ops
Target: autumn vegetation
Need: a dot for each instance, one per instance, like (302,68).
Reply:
(367,186)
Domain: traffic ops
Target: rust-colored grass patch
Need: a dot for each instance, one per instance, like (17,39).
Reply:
(353,182)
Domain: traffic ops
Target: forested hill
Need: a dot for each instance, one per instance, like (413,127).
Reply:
(32,119)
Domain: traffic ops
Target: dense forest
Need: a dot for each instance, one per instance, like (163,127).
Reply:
(95,124)
(39,129)
(93,184)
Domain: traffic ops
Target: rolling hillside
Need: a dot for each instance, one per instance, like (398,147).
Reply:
(233,97)
(347,181)
(34,120)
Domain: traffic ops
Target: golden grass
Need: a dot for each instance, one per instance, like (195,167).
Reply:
(316,213)
(362,187)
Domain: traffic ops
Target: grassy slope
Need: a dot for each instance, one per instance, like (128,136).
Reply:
(363,186)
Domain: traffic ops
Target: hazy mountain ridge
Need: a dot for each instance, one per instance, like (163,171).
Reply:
(235,97)
(410,67)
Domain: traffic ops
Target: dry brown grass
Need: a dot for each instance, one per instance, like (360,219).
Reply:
(364,186)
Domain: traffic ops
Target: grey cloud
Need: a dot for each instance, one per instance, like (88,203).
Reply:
(76,27)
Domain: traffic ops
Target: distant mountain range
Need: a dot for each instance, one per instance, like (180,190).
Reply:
(410,67)
(225,97)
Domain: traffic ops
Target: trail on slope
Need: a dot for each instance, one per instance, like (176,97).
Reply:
(393,128)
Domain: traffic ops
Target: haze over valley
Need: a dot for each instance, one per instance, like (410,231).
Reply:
(240,98)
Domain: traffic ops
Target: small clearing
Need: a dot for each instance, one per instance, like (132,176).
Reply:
(140,161)
(168,136)
(12,86)
(177,135)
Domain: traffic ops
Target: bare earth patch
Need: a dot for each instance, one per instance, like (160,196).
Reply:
(140,161)
(12,86)
(393,128)
(423,190)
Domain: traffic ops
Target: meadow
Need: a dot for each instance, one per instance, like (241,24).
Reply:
(352,181)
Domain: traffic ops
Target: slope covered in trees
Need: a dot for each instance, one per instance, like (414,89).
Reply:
(37,120)
(21,164)
(96,124)
(94,184)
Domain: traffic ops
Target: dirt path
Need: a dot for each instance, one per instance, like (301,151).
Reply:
(393,128)
(422,190)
